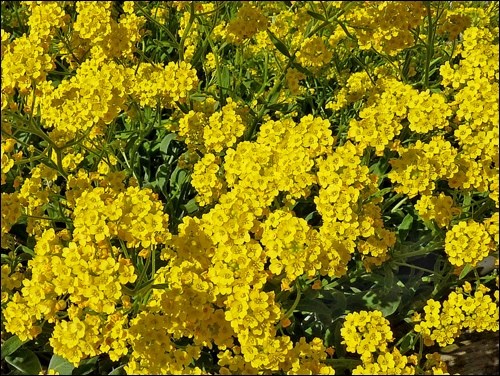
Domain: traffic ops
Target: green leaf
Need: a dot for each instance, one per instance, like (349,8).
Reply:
(183,107)
(25,361)
(408,342)
(435,61)
(310,215)
(86,366)
(381,192)
(450,348)
(339,305)
(466,270)
(11,345)
(161,178)
(165,143)
(178,177)
(301,69)
(405,226)
(61,365)
(278,44)
(316,15)
(386,301)
(380,168)
(341,365)
(199,97)
(191,206)
(316,306)
(118,371)
(225,78)
(28,250)
(467,201)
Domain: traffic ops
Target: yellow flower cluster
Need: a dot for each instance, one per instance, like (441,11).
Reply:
(381,118)
(475,84)
(358,85)
(427,112)
(314,53)
(99,92)
(454,22)
(7,157)
(421,165)
(386,25)
(206,181)
(439,208)
(293,76)
(87,271)
(11,280)
(76,339)
(90,275)
(249,20)
(89,336)
(290,245)
(366,332)
(491,226)
(468,242)
(306,359)
(97,30)
(167,85)
(134,216)
(11,210)
(443,322)
(155,350)
(25,61)
(284,206)
(224,128)
(206,130)
(347,210)
(94,96)
(45,18)
(478,55)
(281,159)
(218,261)
(192,125)
(205,269)
(387,363)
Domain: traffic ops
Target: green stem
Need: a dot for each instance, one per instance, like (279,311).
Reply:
(264,82)
(430,44)
(263,109)
(218,72)
(34,128)
(151,19)
(124,248)
(396,207)
(421,252)
(329,21)
(143,272)
(62,37)
(343,363)
(186,30)
(42,218)
(413,267)
(295,303)
(365,68)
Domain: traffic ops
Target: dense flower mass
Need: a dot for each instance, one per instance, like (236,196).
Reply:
(462,310)
(247,187)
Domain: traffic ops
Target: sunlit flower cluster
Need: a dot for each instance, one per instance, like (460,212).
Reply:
(464,309)
(183,181)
